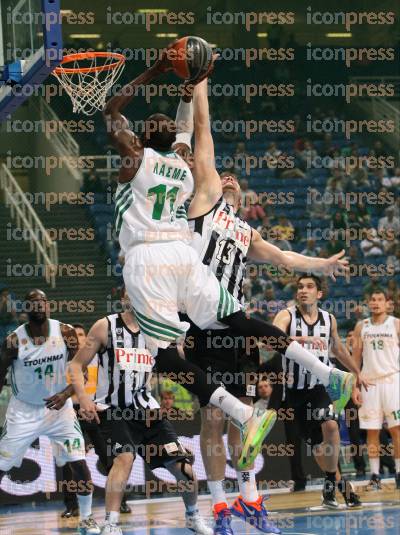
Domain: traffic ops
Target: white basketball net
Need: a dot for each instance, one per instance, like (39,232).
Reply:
(88,90)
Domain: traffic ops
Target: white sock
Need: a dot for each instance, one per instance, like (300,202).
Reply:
(231,406)
(248,485)
(374,465)
(85,505)
(112,517)
(397,465)
(309,361)
(217,492)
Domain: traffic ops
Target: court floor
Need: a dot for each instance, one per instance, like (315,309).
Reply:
(295,514)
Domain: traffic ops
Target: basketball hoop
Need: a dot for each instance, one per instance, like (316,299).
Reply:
(87,77)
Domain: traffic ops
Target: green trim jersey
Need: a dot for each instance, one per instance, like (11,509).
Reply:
(381,354)
(150,208)
(38,371)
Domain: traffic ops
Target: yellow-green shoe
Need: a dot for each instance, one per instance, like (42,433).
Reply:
(340,388)
(253,433)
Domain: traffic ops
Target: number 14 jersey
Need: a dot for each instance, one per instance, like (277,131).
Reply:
(38,372)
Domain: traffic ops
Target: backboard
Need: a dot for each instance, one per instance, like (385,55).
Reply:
(30,48)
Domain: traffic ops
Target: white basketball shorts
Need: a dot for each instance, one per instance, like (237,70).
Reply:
(381,403)
(163,279)
(25,423)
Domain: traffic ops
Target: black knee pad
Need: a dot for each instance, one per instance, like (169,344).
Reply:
(186,469)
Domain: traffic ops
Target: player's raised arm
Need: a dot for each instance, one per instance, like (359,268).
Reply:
(123,138)
(262,251)
(96,339)
(208,187)
(9,352)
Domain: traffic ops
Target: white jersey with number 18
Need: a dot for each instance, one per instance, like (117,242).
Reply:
(150,208)
(381,352)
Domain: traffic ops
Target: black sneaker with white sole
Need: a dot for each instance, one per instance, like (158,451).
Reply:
(329,498)
(349,494)
(374,483)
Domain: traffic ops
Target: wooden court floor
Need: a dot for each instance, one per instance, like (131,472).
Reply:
(295,514)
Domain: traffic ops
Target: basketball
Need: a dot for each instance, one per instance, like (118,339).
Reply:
(191,58)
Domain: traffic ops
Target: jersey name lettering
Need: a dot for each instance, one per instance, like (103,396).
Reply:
(169,172)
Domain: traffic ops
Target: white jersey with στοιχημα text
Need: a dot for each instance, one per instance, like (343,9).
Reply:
(38,372)
(150,208)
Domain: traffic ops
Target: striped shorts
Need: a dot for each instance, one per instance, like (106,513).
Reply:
(163,279)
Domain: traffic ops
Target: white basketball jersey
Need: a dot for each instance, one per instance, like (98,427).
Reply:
(381,352)
(38,372)
(150,207)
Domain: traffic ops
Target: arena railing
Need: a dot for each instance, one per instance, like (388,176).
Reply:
(383,107)
(27,219)
(60,138)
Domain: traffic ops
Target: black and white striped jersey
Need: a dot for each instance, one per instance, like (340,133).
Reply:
(298,378)
(222,240)
(125,368)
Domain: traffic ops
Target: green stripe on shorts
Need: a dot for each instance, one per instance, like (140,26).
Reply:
(157,324)
(155,335)
(156,332)
(226,304)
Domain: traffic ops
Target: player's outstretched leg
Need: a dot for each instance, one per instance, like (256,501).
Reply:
(187,481)
(83,480)
(339,384)
(254,424)
(249,505)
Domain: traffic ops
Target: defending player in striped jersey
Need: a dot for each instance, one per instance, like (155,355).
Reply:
(36,354)
(162,272)
(128,413)
(304,393)
(376,345)
(224,243)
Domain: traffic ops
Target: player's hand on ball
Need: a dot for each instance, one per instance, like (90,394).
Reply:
(164,64)
(88,410)
(336,265)
(56,402)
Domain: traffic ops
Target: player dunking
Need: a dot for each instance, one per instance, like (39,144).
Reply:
(162,272)
(376,345)
(225,243)
(123,388)
(304,393)
(36,354)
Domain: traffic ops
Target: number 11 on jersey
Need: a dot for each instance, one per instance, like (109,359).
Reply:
(161,196)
